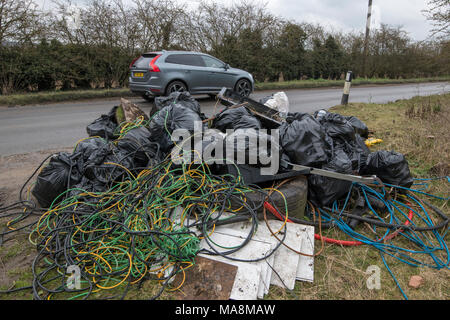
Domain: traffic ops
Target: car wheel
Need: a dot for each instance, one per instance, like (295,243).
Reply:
(175,86)
(243,87)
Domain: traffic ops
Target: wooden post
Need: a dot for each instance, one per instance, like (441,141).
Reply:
(348,82)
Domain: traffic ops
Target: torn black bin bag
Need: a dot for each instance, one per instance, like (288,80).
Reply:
(390,166)
(170,118)
(323,191)
(337,126)
(305,141)
(60,174)
(235,118)
(359,126)
(252,147)
(136,142)
(87,146)
(109,167)
(184,98)
(104,126)
(255,157)
(356,150)
(361,152)
(84,150)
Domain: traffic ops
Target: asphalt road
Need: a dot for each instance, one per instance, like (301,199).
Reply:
(52,126)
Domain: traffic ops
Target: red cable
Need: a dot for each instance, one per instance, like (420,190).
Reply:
(272,210)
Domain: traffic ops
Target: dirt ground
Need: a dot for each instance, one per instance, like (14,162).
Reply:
(16,253)
(16,169)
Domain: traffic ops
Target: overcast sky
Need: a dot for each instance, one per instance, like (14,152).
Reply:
(341,15)
(347,15)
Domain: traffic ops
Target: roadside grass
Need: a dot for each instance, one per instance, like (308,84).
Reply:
(418,128)
(73,95)
(60,96)
(321,83)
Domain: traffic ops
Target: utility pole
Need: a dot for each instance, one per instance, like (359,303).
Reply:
(366,40)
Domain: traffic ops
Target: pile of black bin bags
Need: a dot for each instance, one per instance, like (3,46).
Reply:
(324,140)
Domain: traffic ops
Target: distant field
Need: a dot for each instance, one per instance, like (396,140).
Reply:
(59,96)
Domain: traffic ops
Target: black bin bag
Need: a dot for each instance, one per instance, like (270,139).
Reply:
(104,126)
(390,166)
(251,146)
(359,126)
(105,164)
(136,142)
(170,118)
(183,98)
(304,140)
(356,150)
(88,146)
(323,191)
(55,178)
(337,126)
(235,118)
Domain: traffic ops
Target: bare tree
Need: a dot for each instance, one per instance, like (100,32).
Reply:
(159,23)
(438,13)
(20,21)
(211,23)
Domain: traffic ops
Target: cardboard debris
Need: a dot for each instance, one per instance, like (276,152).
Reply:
(207,279)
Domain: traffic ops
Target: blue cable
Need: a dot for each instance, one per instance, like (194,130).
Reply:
(393,277)
(426,245)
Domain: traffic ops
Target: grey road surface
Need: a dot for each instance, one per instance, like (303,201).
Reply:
(52,126)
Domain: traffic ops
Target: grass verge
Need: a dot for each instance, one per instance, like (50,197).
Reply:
(322,83)
(418,128)
(59,96)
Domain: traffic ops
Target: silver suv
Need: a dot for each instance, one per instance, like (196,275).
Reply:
(164,72)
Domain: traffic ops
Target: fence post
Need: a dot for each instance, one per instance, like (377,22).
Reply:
(348,81)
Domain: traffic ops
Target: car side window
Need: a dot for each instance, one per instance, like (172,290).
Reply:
(212,63)
(186,59)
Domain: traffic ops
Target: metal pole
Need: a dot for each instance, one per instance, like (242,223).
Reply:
(366,39)
(348,82)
